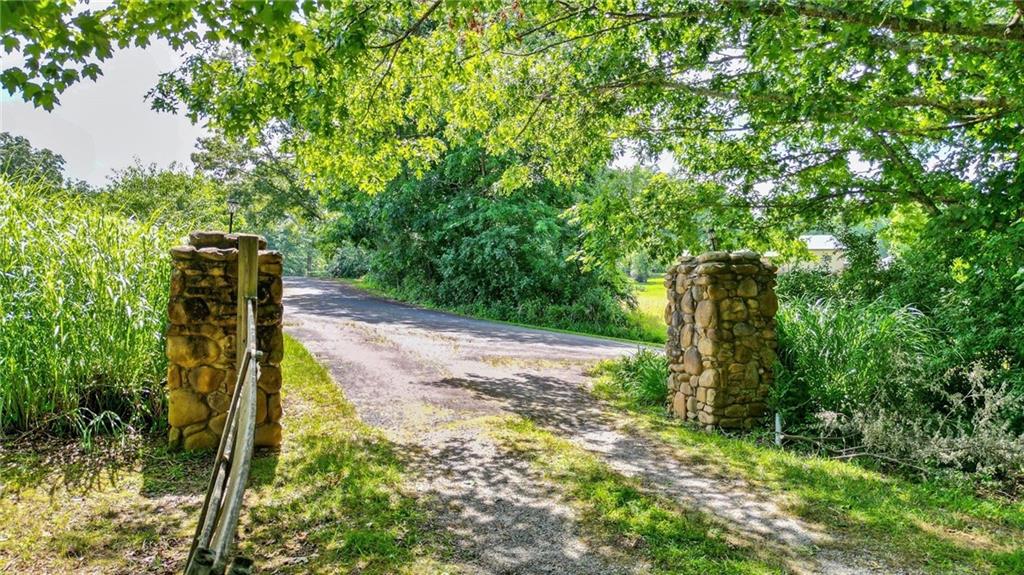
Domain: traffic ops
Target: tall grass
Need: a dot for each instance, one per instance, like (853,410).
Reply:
(842,357)
(638,381)
(878,380)
(83,295)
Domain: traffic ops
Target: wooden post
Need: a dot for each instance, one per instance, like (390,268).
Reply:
(202,563)
(248,271)
(234,488)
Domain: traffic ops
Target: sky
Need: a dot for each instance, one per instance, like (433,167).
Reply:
(103,126)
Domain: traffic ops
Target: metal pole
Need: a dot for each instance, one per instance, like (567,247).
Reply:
(778,429)
(231,222)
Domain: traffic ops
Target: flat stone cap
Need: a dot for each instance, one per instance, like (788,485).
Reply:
(220,240)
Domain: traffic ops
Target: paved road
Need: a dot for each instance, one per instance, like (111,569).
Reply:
(431,381)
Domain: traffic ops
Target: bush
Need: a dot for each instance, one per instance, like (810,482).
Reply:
(455,239)
(349,261)
(83,295)
(639,380)
(880,379)
(806,283)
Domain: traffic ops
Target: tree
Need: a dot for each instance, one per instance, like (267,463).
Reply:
(19,160)
(262,176)
(62,44)
(799,108)
(456,237)
(661,216)
(165,195)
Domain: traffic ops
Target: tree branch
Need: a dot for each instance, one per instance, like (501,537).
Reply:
(410,30)
(892,22)
(969,103)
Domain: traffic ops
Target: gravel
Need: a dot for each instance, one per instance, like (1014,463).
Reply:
(430,381)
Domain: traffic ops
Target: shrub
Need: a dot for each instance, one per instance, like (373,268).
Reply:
(806,283)
(83,296)
(881,377)
(974,433)
(349,261)
(639,380)
(457,239)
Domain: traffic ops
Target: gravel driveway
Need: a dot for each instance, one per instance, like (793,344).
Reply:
(430,379)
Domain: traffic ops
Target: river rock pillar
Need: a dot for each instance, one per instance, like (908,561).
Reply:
(721,338)
(202,315)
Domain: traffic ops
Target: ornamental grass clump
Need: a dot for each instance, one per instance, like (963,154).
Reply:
(83,295)
(638,380)
(877,380)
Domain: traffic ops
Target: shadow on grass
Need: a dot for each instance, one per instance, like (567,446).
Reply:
(674,538)
(124,504)
(931,525)
(330,501)
(337,507)
(65,464)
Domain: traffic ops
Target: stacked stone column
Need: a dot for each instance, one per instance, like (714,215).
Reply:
(721,338)
(201,339)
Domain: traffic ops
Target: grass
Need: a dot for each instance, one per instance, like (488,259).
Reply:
(649,314)
(931,525)
(640,380)
(83,296)
(616,510)
(644,329)
(330,501)
(841,355)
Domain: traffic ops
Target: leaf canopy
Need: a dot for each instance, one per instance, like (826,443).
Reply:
(798,108)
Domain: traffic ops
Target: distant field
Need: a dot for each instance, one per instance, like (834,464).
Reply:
(650,312)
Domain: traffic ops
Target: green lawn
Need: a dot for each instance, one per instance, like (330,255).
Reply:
(932,526)
(650,311)
(330,501)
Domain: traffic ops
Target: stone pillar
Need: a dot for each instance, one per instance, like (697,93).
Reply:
(201,373)
(721,337)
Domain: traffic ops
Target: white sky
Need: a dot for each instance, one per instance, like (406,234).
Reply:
(104,125)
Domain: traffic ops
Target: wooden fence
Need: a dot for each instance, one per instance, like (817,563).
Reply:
(214,538)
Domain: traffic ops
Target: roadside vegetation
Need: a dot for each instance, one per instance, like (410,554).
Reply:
(933,524)
(330,501)
(83,295)
(463,155)
(84,278)
(455,238)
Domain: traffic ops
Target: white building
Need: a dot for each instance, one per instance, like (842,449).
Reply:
(826,250)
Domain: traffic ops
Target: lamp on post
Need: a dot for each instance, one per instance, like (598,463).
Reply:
(713,239)
(233,205)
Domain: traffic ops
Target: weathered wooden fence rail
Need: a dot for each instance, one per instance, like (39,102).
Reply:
(218,520)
